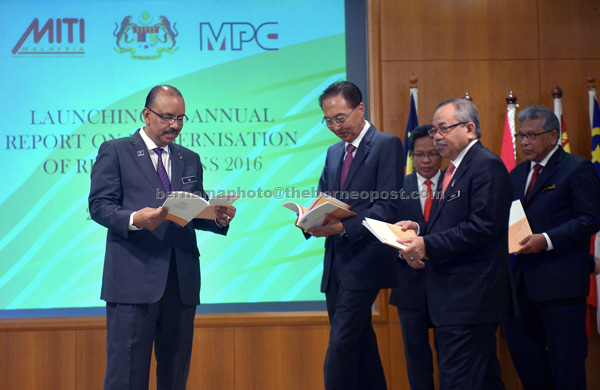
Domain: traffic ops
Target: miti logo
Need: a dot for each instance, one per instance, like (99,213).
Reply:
(238,36)
(57,37)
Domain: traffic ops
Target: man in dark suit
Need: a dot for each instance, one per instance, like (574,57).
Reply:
(560,193)
(464,250)
(409,296)
(364,170)
(151,280)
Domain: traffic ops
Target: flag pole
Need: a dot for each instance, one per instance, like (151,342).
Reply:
(595,154)
(508,153)
(564,137)
(413,121)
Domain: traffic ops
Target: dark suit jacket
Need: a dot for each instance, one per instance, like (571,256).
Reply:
(410,294)
(565,204)
(372,190)
(466,241)
(136,263)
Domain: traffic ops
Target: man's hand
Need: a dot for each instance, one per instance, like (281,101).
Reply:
(224,214)
(414,253)
(148,218)
(408,225)
(333,226)
(534,243)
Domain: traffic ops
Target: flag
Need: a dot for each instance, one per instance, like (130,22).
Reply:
(592,298)
(597,280)
(563,130)
(595,125)
(595,122)
(508,152)
(413,121)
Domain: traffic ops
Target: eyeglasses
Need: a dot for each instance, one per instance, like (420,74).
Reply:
(431,155)
(530,136)
(338,120)
(170,118)
(443,130)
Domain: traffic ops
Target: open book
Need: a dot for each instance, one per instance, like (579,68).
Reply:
(518,226)
(185,206)
(314,215)
(387,233)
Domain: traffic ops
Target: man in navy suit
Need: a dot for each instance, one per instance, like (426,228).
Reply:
(365,169)
(560,193)
(409,296)
(464,250)
(151,279)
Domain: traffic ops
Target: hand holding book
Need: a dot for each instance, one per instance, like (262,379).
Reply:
(316,214)
(185,206)
(387,233)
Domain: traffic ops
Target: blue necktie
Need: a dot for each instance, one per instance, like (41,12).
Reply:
(162,172)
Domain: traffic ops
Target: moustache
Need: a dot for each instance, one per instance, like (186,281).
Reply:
(439,143)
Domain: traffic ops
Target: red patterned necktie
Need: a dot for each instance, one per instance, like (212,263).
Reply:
(447,177)
(347,162)
(162,172)
(428,201)
(534,176)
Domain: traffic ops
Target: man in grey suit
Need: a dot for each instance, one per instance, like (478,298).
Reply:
(151,279)
(410,297)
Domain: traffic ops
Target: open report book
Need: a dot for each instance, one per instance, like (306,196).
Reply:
(388,233)
(314,215)
(185,206)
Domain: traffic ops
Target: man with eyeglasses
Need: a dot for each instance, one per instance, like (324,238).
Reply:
(560,193)
(151,280)
(365,169)
(464,250)
(419,192)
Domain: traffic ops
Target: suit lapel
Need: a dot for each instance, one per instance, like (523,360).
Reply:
(140,154)
(520,180)
(412,185)
(547,172)
(361,153)
(337,155)
(454,182)
(177,165)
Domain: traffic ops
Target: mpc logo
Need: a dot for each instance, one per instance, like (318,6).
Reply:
(57,37)
(237,36)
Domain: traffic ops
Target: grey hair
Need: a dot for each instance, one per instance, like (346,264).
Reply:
(464,111)
(549,119)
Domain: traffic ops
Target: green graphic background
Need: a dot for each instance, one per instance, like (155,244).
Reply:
(52,253)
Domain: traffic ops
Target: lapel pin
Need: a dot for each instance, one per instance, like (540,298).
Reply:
(140,153)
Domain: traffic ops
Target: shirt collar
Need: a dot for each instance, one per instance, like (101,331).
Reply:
(545,159)
(358,139)
(149,143)
(462,153)
(434,179)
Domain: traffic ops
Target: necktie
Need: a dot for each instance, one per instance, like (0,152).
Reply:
(162,172)
(447,177)
(534,176)
(347,162)
(428,201)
